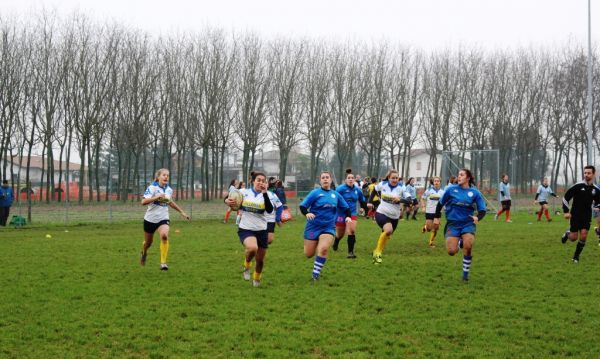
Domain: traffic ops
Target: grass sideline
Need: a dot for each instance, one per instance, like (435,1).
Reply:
(82,293)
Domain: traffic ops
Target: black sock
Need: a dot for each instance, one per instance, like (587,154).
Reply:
(579,249)
(351,241)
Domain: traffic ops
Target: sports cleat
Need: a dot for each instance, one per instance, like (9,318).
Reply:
(431,245)
(549,219)
(377,258)
(495,217)
(246,274)
(336,243)
(351,255)
(424,228)
(143,258)
(255,283)
(575,260)
(508,221)
(164,266)
(565,237)
(465,280)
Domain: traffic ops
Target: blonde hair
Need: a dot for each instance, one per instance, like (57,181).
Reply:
(159,172)
(389,173)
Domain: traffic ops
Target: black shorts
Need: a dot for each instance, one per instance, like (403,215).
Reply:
(271,227)
(506,204)
(382,219)
(430,216)
(541,203)
(261,237)
(150,227)
(579,222)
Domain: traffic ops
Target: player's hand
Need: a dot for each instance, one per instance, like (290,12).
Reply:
(475,220)
(310,216)
(361,211)
(567,215)
(535,202)
(279,224)
(348,219)
(396,200)
(230,202)
(159,197)
(185,215)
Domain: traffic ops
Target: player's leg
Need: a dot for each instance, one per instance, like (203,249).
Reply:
(467,240)
(163,232)
(250,249)
(323,244)
(340,231)
(351,229)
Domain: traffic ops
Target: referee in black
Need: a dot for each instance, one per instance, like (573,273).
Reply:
(584,194)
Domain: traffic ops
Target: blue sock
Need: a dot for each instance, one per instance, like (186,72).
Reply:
(466,266)
(318,266)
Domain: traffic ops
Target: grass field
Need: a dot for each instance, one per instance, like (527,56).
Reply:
(82,293)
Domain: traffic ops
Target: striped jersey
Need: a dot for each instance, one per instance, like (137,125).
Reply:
(432,196)
(157,211)
(390,196)
(254,216)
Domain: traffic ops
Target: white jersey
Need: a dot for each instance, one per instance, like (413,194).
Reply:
(390,199)
(276,204)
(157,211)
(232,189)
(432,196)
(543,193)
(253,210)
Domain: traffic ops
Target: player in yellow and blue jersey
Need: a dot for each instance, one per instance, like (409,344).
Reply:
(252,229)
(158,197)
(320,208)
(388,212)
(430,200)
(460,201)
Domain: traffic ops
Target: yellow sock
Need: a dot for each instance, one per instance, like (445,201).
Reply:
(164,250)
(247,264)
(432,237)
(381,243)
(256,275)
(385,241)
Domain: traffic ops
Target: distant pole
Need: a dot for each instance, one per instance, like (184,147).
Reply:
(589,95)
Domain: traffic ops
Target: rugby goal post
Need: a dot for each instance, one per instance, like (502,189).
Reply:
(484,164)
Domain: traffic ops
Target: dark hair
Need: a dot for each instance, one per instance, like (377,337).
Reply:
(452,180)
(348,171)
(254,174)
(373,179)
(5,182)
(590,167)
(410,179)
(279,184)
(232,182)
(469,175)
(240,184)
(502,177)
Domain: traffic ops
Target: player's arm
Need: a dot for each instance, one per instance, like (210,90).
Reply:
(176,207)
(567,197)
(149,198)
(481,209)
(305,205)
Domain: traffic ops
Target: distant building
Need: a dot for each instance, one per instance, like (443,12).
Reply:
(38,165)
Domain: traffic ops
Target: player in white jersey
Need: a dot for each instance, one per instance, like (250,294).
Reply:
(430,200)
(158,197)
(388,212)
(541,197)
(252,229)
(232,188)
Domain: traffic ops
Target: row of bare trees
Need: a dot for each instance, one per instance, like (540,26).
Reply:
(125,103)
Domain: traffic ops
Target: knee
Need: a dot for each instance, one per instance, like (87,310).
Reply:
(252,249)
(452,251)
(323,252)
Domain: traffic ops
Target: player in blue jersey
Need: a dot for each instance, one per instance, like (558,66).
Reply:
(388,212)
(158,197)
(320,208)
(252,228)
(351,193)
(460,201)
(504,198)
(541,198)
(410,201)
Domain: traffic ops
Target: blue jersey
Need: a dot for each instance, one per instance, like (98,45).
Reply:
(410,192)
(350,195)
(460,203)
(544,192)
(324,204)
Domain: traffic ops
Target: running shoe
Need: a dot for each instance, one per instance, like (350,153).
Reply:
(351,255)
(565,237)
(255,283)
(377,258)
(143,258)
(164,266)
(246,273)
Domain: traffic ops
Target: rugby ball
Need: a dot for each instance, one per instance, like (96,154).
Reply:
(238,198)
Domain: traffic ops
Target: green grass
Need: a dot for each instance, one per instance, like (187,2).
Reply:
(82,293)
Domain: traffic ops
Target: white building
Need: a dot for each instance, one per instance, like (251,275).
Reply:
(36,167)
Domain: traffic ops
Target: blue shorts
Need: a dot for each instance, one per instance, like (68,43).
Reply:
(312,232)
(261,237)
(382,219)
(457,229)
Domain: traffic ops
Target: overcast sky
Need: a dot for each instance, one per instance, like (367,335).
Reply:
(427,24)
